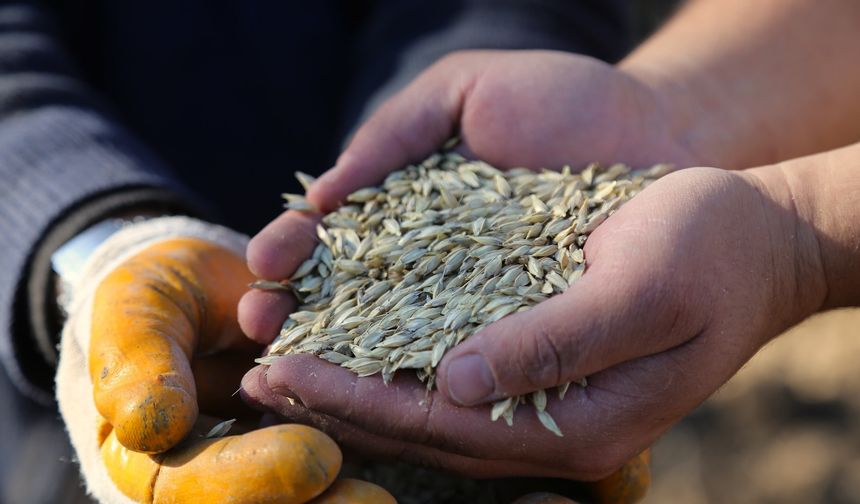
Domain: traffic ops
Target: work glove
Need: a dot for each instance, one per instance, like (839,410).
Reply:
(151,342)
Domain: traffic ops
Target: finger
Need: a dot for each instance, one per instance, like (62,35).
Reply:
(382,423)
(132,472)
(283,463)
(620,413)
(150,315)
(280,247)
(408,127)
(405,410)
(256,391)
(262,313)
(632,404)
(609,316)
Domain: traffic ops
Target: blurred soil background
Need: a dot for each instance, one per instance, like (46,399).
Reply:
(785,429)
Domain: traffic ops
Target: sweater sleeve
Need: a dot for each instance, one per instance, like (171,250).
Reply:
(400,38)
(64,163)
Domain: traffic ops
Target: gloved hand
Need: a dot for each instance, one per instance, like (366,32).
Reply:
(152,340)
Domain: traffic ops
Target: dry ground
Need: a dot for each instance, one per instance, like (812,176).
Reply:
(785,429)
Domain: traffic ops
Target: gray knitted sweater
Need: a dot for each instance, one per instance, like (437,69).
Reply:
(193,107)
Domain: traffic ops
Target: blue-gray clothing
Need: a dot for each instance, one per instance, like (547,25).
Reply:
(203,108)
(207,108)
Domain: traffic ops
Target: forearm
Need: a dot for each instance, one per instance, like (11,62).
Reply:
(51,196)
(65,164)
(823,191)
(749,83)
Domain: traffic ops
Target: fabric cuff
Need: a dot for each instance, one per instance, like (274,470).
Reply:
(45,322)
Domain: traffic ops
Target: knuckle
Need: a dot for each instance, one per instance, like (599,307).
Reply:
(416,424)
(539,358)
(429,433)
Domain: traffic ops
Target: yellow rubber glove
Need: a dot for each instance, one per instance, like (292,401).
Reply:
(152,339)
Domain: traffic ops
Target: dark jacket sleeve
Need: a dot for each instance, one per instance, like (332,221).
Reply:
(64,163)
(400,38)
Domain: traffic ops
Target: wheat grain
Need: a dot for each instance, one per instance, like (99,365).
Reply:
(408,270)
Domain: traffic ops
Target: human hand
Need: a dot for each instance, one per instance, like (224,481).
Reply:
(490,99)
(152,340)
(683,285)
(538,109)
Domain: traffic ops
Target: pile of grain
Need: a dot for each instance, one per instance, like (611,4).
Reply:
(408,270)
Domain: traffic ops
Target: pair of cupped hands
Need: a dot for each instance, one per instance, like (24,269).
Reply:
(683,284)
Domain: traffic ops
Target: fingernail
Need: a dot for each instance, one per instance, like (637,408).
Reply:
(283,391)
(288,394)
(470,380)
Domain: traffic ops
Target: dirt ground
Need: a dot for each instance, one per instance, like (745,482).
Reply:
(785,429)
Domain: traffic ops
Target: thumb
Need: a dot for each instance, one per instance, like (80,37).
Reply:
(151,315)
(407,128)
(281,463)
(598,322)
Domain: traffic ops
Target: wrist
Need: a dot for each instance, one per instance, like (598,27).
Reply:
(794,245)
(654,132)
(68,260)
(45,318)
(825,196)
(701,117)
(823,193)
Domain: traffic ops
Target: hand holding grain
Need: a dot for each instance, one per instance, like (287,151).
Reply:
(535,109)
(682,286)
